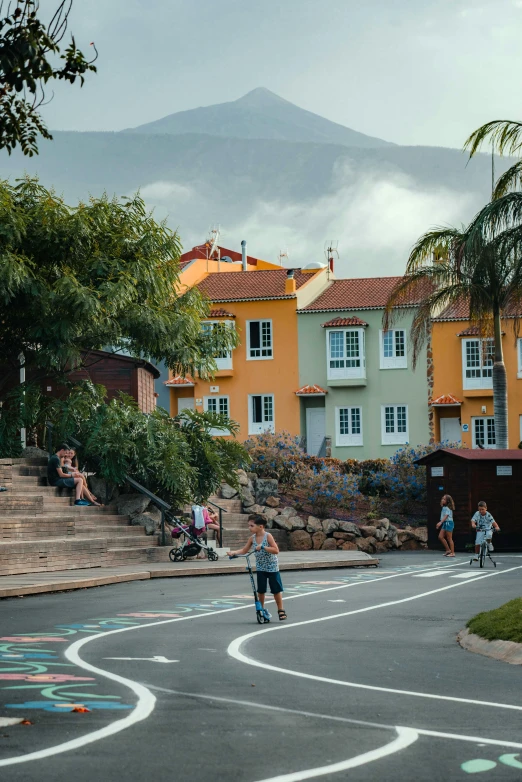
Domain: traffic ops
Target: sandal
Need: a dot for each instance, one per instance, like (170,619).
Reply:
(282,614)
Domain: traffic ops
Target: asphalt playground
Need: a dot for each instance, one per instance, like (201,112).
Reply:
(174,679)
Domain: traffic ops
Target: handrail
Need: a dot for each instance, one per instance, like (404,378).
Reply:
(220,520)
(162,505)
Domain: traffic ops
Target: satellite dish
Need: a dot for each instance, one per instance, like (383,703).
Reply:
(227,259)
(315,265)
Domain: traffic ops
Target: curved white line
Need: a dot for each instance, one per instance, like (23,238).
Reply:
(234,650)
(146,699)
(405,737)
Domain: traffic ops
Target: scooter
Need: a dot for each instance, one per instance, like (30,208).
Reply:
(263,616)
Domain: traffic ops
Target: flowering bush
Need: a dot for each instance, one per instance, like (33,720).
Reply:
(327,488)
(275,456)
(401,478)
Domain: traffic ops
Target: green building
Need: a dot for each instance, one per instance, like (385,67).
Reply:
(359,391)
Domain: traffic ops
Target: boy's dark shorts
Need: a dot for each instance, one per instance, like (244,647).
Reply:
(274,579)
(65,483)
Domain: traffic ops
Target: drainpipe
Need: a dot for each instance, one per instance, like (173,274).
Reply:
(244,255)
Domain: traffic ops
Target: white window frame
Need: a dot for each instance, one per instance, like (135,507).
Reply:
(265,425)
(222,362)
(250,357)
(395,437)
(345,373)
(519,357)
(485,419)
(393,362)
(350,438)
(485,380)
(217,397)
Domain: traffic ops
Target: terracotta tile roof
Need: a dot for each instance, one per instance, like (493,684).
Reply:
(179,381)
(311,391)
(460,311)
(360,294)
(248,286)
(472,331)
(445,399)
(474,454)
(221,314)
(355,321)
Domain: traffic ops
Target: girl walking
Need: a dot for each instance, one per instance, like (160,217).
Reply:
(446,525)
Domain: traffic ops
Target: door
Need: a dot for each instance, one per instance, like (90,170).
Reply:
(261,413)
(185,403)
(450,430)
(315,429)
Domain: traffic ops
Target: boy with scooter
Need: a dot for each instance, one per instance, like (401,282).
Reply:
(265,548)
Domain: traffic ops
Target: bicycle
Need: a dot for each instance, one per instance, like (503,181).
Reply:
(485,552)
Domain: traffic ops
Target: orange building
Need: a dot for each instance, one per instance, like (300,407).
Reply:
(460,378)
(256,383)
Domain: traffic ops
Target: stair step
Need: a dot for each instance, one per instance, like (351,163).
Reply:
(102,530)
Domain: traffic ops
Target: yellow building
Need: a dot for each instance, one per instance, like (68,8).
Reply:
(460,376)
(256,383)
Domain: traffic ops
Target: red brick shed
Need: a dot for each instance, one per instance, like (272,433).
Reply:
(494,476)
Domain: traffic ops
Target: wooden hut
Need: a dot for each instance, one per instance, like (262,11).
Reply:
(469,476)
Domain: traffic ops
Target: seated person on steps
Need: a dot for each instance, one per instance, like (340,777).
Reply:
(57,477)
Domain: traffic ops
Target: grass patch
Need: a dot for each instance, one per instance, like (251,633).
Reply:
(504,623)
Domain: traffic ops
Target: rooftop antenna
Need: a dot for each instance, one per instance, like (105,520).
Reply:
(283,257)
(213,243)
(331,252)
(492,169)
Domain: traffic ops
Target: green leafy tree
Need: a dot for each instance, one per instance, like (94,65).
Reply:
(479,265)
(74,279)
(30,58)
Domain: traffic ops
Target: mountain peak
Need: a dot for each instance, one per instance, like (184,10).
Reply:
(261,97)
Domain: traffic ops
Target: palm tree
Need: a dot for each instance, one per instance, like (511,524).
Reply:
(480,265)
(506,138)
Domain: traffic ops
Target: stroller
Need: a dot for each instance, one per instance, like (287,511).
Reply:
(194,541)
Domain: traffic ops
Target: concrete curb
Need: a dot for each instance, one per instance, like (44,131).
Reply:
(64,583)
(506,651)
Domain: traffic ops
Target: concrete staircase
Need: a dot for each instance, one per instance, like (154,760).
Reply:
(235,524)
(42,530)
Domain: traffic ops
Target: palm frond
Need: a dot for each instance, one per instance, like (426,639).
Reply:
(497,216)
(436,243)
(510,180)
(505,135)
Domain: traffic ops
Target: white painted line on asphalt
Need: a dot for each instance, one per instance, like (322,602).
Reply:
(405,737)
(158,658)
(234,650)
(467,575)
(429,575)
(146,699)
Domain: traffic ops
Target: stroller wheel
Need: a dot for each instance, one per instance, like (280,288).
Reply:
(212,556)
(173,554)
(260,617)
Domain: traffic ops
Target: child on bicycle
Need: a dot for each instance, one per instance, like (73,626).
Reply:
(265,548)
(484,523)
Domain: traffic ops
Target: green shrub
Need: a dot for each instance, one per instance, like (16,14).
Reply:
(275,456)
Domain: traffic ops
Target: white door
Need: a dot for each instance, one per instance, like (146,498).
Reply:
(450,430)
(315,429)
(185,403)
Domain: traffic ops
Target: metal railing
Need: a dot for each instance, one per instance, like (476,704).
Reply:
(161,504)
(221,511)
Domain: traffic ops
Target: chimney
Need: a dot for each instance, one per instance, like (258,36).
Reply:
(290,285)
(244,255)
(331,263)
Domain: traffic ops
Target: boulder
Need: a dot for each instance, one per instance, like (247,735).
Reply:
(145,521)
(349,526)
(272,502)
(289,511)
(318,538)
(33,452)
(344,535)
(412,545)
(366,544)
(283,522)
(329,545)
(403,535)
(349,545)
(314,525)
(132,504)
(383,524)
(421,533)
(256,509)
(297,522)
(264,488)
(380,534)
(251,476)
(330,525)
(247,498)
(154,512)
(381,548)
(270,513)
(367,530)
(227,491)
(242,477)
(300,541)
(100,488)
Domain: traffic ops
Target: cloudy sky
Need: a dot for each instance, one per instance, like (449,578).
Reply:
(409,71)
